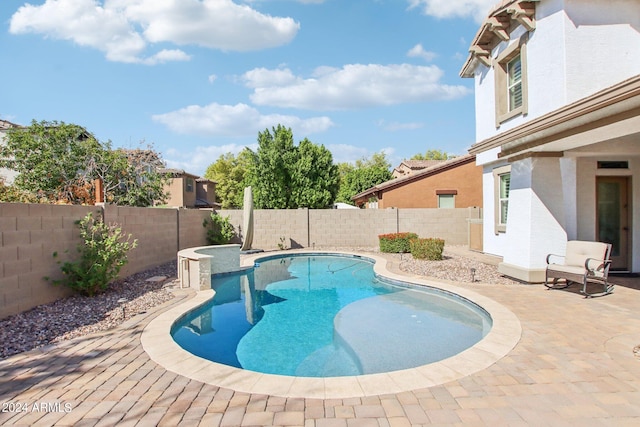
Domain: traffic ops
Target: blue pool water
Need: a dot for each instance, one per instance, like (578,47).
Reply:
(325,316)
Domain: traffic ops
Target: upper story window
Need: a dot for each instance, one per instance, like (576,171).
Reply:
(511,81)
(189,185)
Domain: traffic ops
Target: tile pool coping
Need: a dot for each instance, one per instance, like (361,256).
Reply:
(501,339)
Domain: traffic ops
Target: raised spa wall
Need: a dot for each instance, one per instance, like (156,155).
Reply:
(196,265)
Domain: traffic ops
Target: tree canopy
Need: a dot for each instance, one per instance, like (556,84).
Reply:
(286,176)
(57,162)
(230,174)
(367,173)
(433,155)
(51,160)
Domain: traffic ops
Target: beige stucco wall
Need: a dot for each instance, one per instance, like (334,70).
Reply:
(178,194)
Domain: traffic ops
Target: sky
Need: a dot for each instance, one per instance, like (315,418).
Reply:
(199,78)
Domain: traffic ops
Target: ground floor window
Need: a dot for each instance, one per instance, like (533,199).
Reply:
(502,182)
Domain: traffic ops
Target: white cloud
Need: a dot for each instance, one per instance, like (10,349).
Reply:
(397,126)
(198,160)
(352,86)
(235,120)
(166,55)
(212,78)
(476,9)
(344,153)
(123,29)
(418,52)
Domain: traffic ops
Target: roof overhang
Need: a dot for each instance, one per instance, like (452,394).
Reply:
(496,28)
(612,112)
(423,173)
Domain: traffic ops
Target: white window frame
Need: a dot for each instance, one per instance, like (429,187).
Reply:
(500,225)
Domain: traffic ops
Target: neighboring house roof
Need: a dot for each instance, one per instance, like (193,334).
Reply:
(495,28)
(5,124)
(606,106)
(418,164)
(181,172)
(177,172)
(421,174)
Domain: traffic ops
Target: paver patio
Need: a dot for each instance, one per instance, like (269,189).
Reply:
(574,365)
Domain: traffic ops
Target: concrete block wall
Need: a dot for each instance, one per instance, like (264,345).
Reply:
(272,225)
(156,231)
(29,236)
(351,227)
(192,233)
(448,224)
(31,233)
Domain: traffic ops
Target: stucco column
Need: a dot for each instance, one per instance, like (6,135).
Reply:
(536,218)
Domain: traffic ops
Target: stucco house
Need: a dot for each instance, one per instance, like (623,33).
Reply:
(454,183)
(557,86)
(187,190)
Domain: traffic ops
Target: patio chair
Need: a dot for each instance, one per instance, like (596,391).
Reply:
(584,262)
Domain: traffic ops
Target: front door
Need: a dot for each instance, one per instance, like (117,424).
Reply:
(612,218)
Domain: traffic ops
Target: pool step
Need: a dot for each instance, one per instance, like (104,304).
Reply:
(417,338)
(329,361)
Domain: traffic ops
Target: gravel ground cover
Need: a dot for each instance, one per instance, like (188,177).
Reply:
(77,315)
(455,268)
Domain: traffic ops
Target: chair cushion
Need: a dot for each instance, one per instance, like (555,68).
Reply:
(579,251)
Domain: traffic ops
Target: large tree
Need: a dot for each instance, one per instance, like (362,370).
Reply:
(286,176)
(367,173)
(57,162)
(139,181)
(51,159)
(315,178)
(230,175)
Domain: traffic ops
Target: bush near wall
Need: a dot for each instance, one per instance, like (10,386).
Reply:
(430,249)
(396,242)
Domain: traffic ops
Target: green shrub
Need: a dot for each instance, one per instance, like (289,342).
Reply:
(102,255)
(396,242)
(430,249)
(220,231)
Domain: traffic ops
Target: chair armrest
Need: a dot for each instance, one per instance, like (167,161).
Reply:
(603,264)
(553,255)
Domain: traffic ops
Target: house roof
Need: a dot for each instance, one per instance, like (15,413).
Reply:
(502,19)
(418,164)
(177,172)
(610,105)
(5,124)
(432,170)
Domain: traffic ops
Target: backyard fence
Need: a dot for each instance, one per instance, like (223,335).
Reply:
(31,233)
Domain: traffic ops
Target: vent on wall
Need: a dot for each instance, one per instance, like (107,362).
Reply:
(606,164)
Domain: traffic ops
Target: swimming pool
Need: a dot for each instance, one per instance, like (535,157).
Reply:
(322,315)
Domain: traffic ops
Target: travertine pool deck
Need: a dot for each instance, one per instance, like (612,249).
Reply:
(574,364)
